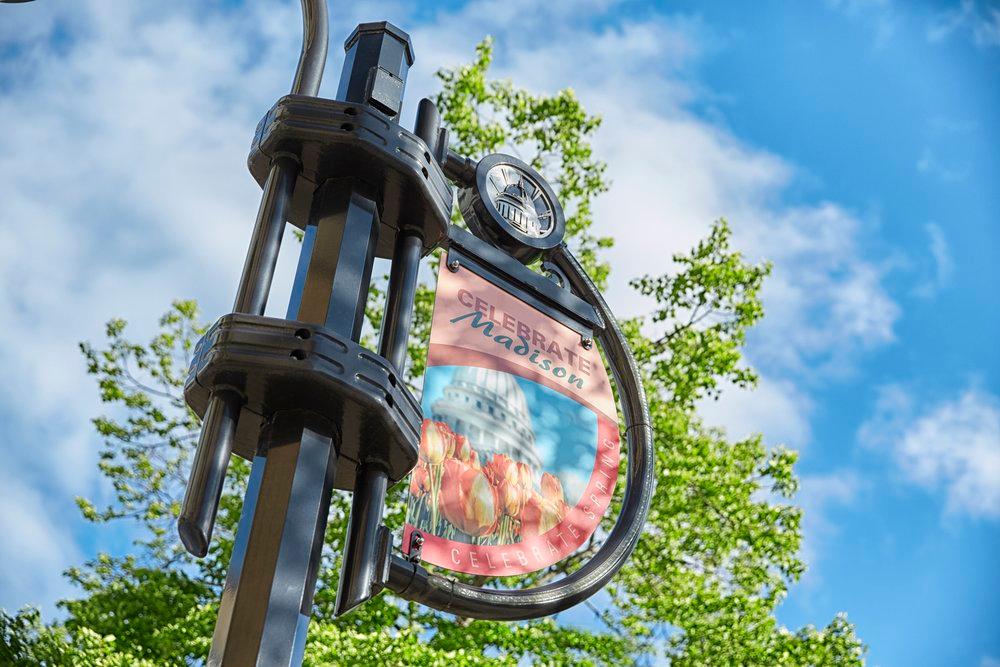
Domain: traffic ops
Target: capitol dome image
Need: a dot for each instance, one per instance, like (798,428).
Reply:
(490,409)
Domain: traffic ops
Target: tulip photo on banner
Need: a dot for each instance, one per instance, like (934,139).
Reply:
(519,447)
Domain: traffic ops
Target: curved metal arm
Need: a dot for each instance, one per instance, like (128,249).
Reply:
(412,582)
(315,38)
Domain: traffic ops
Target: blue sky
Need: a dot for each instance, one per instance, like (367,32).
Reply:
(854,143)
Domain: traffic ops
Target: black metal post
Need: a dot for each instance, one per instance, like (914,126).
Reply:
(272,577)
(338,251)
(208,472)
(262,256)
(362,547)
(267,599)
(402,291)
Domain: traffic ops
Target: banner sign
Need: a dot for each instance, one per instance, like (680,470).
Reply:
(520,444)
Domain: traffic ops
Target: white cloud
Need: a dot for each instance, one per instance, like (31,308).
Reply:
(36,547)
(824,302)
(953,445)
(880,15)
(942,264)
(930,164)
(777,408)
(944,23)
(986,32)
(982,26)
(948,126)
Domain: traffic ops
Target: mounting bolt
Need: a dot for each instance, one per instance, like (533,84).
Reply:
(587,343)
(416,544)
(453,266)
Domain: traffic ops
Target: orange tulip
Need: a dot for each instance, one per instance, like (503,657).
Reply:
(540,515)
(474,459)
(552,489)
(437,442)
(468,500)
(463,448)
(420,482)
(506,477)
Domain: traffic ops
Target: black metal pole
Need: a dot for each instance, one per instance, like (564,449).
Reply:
(360,569)
(315,42)
(360,566)
(272,576)
(265,242)
(208,472)
(268,595)
(402,292)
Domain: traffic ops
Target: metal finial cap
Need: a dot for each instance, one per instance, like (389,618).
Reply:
(379,27)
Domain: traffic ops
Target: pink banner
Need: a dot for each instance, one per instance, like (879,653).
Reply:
(520,445)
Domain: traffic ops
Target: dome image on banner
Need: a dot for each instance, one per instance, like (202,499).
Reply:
(489,407)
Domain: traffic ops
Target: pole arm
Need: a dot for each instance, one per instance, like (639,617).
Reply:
(412,582)
(315,39)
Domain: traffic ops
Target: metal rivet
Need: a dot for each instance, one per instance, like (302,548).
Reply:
(587,343)
(453,265)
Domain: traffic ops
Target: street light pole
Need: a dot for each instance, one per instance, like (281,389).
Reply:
(272,575)
(313,409)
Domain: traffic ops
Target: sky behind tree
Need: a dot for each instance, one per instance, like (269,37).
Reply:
(855,144)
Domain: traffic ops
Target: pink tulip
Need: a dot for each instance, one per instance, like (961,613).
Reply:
(474,459)
(552,489)
(463,448)
(525,478)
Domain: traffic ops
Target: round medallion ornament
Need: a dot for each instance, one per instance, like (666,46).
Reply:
(512,207)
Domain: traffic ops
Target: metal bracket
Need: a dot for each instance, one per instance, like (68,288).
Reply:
(416,546)
(284,364)
(493,264)
(334,139)
(555,274)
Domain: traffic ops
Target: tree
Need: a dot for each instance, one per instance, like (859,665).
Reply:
(718,554)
